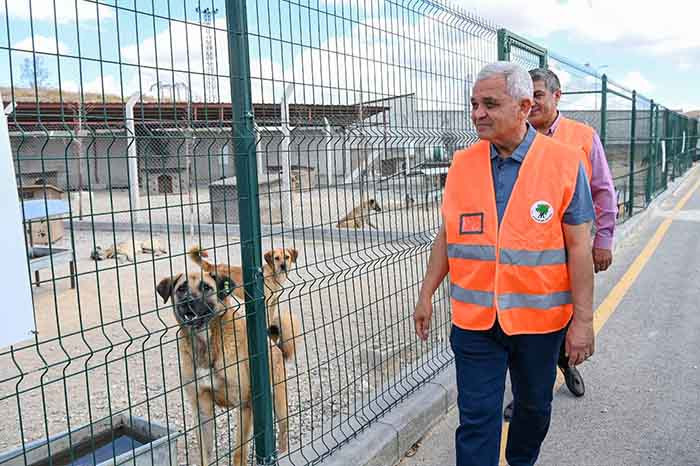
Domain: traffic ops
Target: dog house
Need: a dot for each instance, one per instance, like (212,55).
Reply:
(165,180)
(41,229)
(223,196)
(34,178)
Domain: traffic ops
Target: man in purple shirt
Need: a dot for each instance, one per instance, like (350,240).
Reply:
(545,118)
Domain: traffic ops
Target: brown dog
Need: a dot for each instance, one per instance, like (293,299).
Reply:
(213,346)
(283,325)
(359,216)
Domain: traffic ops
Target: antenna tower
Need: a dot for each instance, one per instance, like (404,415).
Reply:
(209,68)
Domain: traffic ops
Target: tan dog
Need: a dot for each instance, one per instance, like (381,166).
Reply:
(283,325)
(124,249)
(359,216)
(213,346)
(152,246)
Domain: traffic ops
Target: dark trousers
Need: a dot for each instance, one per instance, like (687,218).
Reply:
(563,361)
(482,358)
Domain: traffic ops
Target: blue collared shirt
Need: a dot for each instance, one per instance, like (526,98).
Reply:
(505,172)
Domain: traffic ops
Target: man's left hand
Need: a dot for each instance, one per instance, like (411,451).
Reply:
(602,258)
(580,341)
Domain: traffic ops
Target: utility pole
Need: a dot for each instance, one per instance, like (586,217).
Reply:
(210,83)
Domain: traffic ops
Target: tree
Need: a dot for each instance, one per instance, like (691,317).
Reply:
(35,73)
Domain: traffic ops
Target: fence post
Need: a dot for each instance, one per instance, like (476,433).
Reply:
(503,45)
(604,111)
(657,148)
(667,122)
(672,144)
(633,137)
(249,215)
(650,152)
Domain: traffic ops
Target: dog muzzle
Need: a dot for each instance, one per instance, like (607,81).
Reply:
(195,313)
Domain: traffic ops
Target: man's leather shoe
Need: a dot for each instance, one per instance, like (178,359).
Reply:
(574,381)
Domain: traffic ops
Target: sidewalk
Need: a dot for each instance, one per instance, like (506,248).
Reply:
(643,384)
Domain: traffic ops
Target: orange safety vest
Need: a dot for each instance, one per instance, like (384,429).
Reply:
(578,134)
(519,271)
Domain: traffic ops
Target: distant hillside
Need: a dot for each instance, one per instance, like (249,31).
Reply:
(27,94)
(693,114)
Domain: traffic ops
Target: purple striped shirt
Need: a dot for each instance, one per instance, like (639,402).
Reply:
(602,190)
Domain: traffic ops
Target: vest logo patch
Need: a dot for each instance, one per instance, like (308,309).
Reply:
(541,211)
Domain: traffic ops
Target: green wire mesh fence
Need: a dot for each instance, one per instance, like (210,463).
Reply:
(317,130)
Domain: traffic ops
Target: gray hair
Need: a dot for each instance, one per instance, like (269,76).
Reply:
(550,79)
(518,81)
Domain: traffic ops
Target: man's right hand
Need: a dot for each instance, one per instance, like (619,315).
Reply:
(421,317)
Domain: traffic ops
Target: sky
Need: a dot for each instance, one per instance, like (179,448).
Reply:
(332,48)
(651,46)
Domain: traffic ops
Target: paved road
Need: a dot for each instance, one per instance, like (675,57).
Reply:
(642,404)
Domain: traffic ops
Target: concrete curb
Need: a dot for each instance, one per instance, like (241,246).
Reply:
(386,441)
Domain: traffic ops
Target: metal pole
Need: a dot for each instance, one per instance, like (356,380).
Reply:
(134,196)
(633,137)
(650,157)
(667,143)
(657,148)
(286,185)
(604,111)
(79,158)
(503,45)
(249,220)
(330,154)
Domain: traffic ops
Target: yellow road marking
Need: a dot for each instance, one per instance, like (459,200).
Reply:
(613,299)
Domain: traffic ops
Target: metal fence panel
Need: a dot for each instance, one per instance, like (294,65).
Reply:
(314,134)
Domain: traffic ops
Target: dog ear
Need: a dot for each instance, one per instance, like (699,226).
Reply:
(165,287)
(294,254)
(269,258)
(224,285)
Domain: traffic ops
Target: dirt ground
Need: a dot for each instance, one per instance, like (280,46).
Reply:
(109,345)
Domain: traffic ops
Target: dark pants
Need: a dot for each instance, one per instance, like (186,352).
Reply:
(563,361)
(482,358)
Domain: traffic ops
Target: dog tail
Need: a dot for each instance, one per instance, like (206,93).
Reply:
(197,254)
(284,331)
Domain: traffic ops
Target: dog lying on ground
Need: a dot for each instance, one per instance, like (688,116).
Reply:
(153,247)
(359,216)
(278,262)
(213,347)
(125,249)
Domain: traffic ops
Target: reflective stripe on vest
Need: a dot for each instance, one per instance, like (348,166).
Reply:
(507,256)
(533,258)
(471,251)
(510,300)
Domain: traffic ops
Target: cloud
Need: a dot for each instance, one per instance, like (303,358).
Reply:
(648,26)
(64,12)
(346,69)
(41,44)
(176,54)
(109,83)
(635,80)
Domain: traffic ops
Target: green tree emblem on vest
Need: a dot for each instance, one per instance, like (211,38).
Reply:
(542,210)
